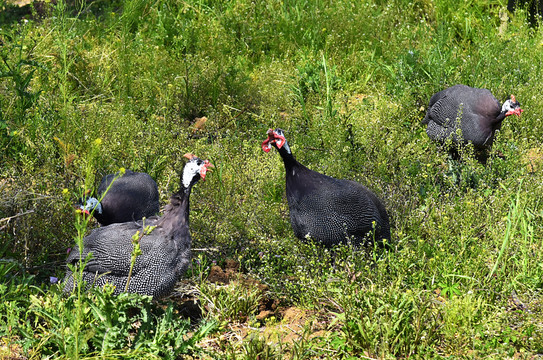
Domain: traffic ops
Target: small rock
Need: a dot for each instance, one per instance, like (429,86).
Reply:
(217,275)
(264,315)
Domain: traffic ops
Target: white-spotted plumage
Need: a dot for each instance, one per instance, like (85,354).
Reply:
(461,114)
(165,250)
(127,197)
(329,210)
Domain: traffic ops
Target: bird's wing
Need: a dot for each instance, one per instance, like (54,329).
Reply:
(445,111)
(435,98)
(488,107)
(106,180)
(111,247)
(133,195)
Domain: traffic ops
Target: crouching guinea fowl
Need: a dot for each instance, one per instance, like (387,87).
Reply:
(165,250)
(130,197)
(464,114)
(328,210)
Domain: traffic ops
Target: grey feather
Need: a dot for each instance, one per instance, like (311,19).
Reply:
(465,115)
(165,250)
(131,197)
(476,112)
(329,210)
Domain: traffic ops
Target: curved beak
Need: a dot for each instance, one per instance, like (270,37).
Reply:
(82,211)
(267,144)
(207,167)
(273,138)
(516,112)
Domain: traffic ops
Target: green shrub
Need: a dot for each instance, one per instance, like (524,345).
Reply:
(233,302)
(349,82)
(98,323)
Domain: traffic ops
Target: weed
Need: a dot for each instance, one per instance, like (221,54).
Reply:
(350,81)
(233,302)
(99,323)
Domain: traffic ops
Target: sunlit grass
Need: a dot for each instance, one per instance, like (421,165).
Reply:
(349,82)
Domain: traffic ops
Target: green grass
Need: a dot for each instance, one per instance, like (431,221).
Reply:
(88,88)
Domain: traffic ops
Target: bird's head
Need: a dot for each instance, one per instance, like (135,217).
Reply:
(87,204)
(195,169)
(276,138)
(511,107)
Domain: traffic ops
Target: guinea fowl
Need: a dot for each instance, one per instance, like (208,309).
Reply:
(464,114)
(131,197)
(164,242)
(533,7)
(325,209)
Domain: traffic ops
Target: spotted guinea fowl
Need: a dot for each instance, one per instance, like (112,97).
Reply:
(131,197)
(533,7)
(165,251)
(464,114)
(325,209)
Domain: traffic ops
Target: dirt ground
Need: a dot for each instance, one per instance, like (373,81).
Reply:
(275,323)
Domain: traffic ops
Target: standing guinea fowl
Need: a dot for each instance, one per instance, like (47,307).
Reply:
(131,197)
(465,114)
(165,251)
(534,8)
(325,209)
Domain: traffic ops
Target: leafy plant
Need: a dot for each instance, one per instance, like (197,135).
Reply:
(124,325)
(19,66)
(389,322)
(350,83)
(233,302)
(449,289)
